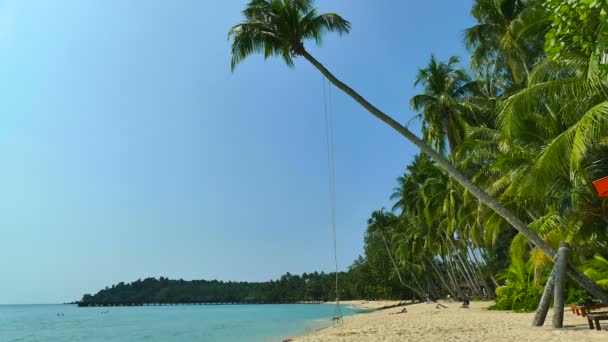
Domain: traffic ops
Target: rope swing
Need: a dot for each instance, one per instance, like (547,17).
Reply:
(327,106)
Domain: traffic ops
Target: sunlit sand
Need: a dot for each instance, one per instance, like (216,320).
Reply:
(424,322)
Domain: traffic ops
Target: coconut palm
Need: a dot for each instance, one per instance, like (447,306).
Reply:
(382,222)
(442,103)
(507,34)
(560,123)
(432,203)
(280,27)
(574,98)
(409,184)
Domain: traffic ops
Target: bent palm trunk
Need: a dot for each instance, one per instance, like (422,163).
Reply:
(476,191)
(440,276)
(481,274)
(451,275)
(390,255)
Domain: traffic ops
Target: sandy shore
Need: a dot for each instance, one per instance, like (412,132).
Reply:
(423,322)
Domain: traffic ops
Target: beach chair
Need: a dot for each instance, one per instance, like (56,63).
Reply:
(583,310)
(595,318)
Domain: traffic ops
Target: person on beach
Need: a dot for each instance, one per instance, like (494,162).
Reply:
(404,310)
(465,302)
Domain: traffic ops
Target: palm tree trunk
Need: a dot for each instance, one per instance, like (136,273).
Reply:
(478,265)
(390,255)
(465,274)
(448,288)
(545,301)
(448,134)
(463,270)
(474,268)
(451,276)
(558,292)
(452,270)
(479,283)
(420,289)
(457,270)
(476,191)
(467,271)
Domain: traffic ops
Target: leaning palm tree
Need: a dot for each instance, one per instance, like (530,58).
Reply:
(410,183)
(381,222)
(280,27)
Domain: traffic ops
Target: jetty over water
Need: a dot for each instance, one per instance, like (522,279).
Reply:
(237,302)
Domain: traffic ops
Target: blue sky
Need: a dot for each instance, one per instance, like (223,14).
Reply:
(128,149)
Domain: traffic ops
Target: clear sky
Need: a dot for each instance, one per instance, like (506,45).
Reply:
(128,149)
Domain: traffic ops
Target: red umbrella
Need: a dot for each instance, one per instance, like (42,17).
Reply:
(601,185)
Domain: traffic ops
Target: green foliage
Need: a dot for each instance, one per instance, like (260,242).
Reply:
(519,293)
(578,26)
(596,268)
(516,298)
(442,111)
(506,37)
(576,295)
(530,129)
(278,28)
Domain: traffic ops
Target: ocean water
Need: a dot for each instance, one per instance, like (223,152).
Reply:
(68,323)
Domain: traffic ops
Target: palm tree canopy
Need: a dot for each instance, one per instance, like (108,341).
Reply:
(441,102)
(507,33)
(380,221)
(279,28)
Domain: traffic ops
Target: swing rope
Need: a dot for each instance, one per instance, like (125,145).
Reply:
(327,106)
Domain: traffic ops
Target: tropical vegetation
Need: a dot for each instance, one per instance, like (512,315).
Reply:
(366,279)
(511,145)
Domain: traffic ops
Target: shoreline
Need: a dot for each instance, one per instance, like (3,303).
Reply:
(423,321)
(365,306)
(356,304)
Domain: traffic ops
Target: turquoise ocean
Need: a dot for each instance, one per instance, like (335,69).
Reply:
(68,323)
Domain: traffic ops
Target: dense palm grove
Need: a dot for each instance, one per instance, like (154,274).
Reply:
(510,147)
(527,121)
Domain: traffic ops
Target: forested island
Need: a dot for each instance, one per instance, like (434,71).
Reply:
(289,288)
(308,287)
(371,276)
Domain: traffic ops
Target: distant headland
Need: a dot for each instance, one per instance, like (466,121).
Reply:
(306,288)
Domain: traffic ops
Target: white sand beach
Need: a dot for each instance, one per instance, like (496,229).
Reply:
(424,322)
